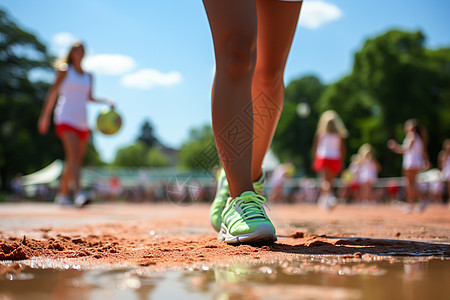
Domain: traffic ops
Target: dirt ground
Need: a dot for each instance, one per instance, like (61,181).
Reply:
(166,236)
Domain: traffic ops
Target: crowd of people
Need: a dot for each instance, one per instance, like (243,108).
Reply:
(357,182)
(252,41)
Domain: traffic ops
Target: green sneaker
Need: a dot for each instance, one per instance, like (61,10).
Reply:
(258,185)
(245,220)
(222,195)
(220,200)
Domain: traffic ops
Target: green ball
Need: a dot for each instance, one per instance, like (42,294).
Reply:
(109,122)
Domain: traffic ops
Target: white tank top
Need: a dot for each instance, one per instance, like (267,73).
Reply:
(329,146)
(413,158)
(367,171)
(446,168)
(73,96)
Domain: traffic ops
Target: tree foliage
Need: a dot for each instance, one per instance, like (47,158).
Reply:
(156,158)
(22,149)
(92,157)
(139,155)
(405,80)
(294,134)
(394,78)
(147,135)
(147,151)
(199,151)
(131,156)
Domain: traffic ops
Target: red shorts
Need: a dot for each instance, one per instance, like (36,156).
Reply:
(354,186)
(334,165)
(392,190)
(63,128)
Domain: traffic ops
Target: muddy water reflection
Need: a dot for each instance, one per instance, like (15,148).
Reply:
(305,277)
(428,279)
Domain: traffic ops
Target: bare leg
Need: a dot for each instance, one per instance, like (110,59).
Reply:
(327,182)
(277,22)
(64,181)
(234,27)
(70,178)
(365,191)
(411,185)
(448,191)
(82,146)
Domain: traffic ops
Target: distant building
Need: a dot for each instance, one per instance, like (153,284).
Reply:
(171,153)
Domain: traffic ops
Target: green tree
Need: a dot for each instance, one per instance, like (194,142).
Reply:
(199,152)
(145,152)
(147,135)
(156,158)
(139,155)
(438,69)
(22,149)
(294,135)
(92,157)
(131,156)
(405,80)
(394,78)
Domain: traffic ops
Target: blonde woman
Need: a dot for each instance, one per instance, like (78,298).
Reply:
(329,153)
(71,91)
(368,170)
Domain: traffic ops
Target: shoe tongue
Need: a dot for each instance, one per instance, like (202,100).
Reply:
(260,179)
(248,193)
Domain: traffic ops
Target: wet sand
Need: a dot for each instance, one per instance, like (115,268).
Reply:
(166,236)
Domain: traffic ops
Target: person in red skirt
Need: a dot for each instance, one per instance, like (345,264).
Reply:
(67,99)
(329,152)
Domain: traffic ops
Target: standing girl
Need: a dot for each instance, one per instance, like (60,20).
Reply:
(252,39)
(368,171)
(329,153)
(444,164)
(70,92)
(415,159)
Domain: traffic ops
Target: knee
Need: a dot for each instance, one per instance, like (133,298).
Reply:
(239,56)
(269,75)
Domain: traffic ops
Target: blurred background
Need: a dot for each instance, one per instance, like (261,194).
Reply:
(376,64)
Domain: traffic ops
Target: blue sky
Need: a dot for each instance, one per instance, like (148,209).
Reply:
(155,58)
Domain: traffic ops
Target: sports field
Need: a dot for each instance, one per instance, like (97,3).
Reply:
(134,251)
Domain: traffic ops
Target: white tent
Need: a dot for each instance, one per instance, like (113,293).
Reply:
(46,175)
(270,161)
(433,175)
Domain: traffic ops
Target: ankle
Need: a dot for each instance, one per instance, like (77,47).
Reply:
(260,176)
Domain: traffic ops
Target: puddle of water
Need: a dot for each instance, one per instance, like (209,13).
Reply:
(305,277)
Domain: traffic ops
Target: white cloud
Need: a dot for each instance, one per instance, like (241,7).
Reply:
(61,43)
(63,39)
(315,14)
(149,78)
(110,64)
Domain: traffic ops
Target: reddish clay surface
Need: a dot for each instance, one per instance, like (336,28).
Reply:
(165,236)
